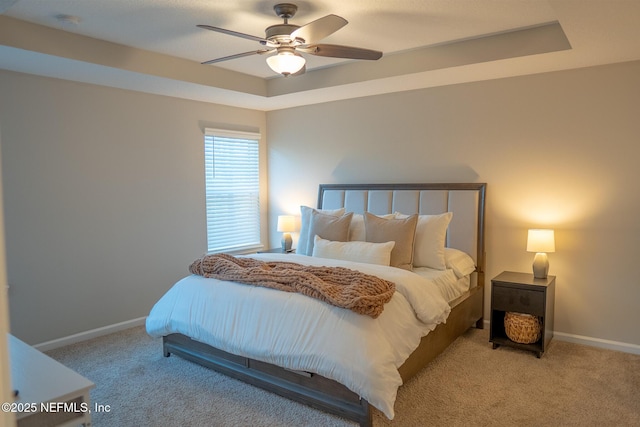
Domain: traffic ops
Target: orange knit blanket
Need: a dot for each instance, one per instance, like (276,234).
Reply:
(339,286)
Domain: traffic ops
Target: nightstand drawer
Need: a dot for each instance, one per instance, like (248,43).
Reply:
(518,300)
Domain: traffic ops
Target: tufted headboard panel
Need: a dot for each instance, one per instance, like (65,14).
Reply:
(465,200)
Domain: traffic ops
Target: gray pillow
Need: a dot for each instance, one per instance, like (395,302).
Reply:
(328,227)
(401,231)
(305,224)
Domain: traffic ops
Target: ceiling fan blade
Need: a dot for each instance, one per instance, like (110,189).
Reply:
(319,29)
(233,33)
(238,55)
(338,51)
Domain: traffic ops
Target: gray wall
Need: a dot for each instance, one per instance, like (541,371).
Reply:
(557,150)
(104,199)
(103,187)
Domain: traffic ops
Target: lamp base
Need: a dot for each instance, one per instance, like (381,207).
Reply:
(286,242)
(540,265)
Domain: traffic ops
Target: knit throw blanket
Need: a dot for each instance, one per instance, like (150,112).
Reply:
(339,286)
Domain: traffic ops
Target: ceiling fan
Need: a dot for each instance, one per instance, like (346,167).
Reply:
(288,40)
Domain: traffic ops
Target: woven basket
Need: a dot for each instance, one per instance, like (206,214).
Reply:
(522,328)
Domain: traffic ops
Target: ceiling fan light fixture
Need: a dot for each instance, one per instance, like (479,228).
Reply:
(286,62)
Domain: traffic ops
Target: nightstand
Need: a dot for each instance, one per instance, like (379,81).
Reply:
(522,293)
(276,251)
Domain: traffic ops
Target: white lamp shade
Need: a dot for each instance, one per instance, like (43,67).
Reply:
(286,62)
(286,223)
(541,240)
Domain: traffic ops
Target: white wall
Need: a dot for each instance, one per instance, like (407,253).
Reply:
(557,150)
(104,199)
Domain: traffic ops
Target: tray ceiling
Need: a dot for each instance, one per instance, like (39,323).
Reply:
(155,46)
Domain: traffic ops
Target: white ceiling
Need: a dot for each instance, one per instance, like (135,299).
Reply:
(155,46)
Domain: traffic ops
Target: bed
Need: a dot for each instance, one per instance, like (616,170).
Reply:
(325,384)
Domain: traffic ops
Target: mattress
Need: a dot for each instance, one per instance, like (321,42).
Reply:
(297,332)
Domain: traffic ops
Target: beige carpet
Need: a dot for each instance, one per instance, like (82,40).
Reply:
(468,385)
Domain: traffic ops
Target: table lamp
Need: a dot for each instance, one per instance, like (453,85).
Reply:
(541,241)
(286,225)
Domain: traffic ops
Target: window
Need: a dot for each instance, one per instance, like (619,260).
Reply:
(232,190)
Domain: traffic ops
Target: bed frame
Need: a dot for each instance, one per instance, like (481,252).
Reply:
(466,232)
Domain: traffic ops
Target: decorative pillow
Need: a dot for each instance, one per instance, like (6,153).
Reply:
(356,231)
(370,253)
(401,231)
(431,233)
(305,220)
(458,261)
(328,227)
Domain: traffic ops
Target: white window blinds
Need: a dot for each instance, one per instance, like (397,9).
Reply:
(232,190)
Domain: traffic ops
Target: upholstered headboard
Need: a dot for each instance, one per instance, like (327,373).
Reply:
(465,200)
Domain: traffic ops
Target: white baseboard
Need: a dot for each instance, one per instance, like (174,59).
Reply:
(105,330)
(597,342)
(93,333)
(590,341)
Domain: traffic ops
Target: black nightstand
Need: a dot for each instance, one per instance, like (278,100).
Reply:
(276,251)
(522,293)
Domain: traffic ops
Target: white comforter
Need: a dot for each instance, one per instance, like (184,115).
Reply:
(301,333)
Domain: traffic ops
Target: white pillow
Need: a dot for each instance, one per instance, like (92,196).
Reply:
(357,230)
(458,261)
(431,233)
(305,221)
(370,253)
